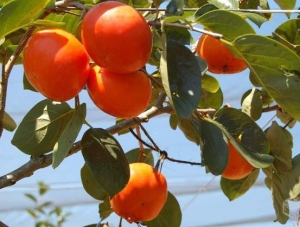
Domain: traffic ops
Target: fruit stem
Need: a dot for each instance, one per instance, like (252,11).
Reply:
(142,150)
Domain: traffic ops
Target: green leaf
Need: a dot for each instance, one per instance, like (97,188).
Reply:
(43,188)
(106,160)
(32,213)
(214,148)
(66,21)
(211,100)
(283,4)
(181,77)
(31,197)
(169,216)
(41,127)
(90,185)
(291,179)
(279,77)
(173,120)
(8,123)
(254,145)
(233,189)
(225,4)
(279,199)
(68,135)
(186,125)
(133,155)
(288,32)
(279,147)
(210,84)
(252,104)
(105,209)
(286,118)
(19,14)
(229,24)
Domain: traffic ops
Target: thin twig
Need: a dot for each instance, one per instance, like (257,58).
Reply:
(234,10)
(192,28)
(163,154)
(38,162)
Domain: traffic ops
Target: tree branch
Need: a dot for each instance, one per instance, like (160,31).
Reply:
(38,162)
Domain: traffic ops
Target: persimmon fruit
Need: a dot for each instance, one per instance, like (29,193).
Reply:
(219,58)
(117,37)
(237,167)
(56,64)
(143,197)
(119,95)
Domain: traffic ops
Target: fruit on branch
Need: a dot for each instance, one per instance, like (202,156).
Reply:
(120,95)
(117,37)
(219,58)
(143,197)
(56,64)
(237,167)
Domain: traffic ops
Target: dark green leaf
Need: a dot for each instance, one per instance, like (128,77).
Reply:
(19,14)
(175,7)
(279,77)
(204,9)
(181,77)
(180,35)
(27,85)
(254,145)
(169,216)
(90,185)
(229,24)
(279,148)
(133,156)
(106,160)
(68,135)
(252,104)
(105,209)
(233,189)
(214,148)
(8,123)
(41,127)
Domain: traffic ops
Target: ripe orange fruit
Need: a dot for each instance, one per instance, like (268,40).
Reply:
(237,167)
(56,64)
(120,95)
(219,58)
(143,197)
(117,37)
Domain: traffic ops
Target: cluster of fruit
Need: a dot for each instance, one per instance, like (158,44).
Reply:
(117,39)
